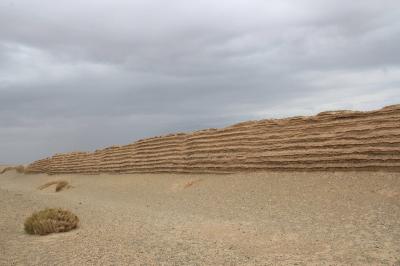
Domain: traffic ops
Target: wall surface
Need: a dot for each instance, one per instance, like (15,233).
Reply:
(342,140)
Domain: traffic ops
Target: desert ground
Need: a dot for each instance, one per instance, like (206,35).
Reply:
(286,218)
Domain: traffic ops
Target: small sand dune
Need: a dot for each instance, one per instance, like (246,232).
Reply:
(317,218)
(4,166)
(58,185)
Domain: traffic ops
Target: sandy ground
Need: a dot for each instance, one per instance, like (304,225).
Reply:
(241,219)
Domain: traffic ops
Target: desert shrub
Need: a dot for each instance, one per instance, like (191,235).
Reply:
(50,221)
(60,185)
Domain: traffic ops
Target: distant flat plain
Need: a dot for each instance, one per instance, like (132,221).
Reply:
(286,218)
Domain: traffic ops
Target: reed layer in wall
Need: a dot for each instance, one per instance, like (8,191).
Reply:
(340,140)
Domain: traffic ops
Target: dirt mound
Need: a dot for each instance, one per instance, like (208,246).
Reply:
(334,140)
(60,185)
(19,168)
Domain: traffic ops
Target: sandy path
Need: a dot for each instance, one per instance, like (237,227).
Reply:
(241,219)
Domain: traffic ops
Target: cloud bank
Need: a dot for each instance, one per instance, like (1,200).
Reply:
(80,75)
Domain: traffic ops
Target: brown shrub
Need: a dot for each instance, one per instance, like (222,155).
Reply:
(50,221)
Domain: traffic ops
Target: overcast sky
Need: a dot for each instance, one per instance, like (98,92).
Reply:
(81,75)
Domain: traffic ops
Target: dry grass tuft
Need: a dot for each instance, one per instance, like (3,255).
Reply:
(20,169)
(60,185)
(50,221)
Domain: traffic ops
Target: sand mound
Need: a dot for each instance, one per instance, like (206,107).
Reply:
(334,140)
(20,169)
(60,185)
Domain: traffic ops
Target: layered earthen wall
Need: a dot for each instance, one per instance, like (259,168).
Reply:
(342,140)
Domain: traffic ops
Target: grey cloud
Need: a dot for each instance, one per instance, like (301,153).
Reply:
(78,75)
